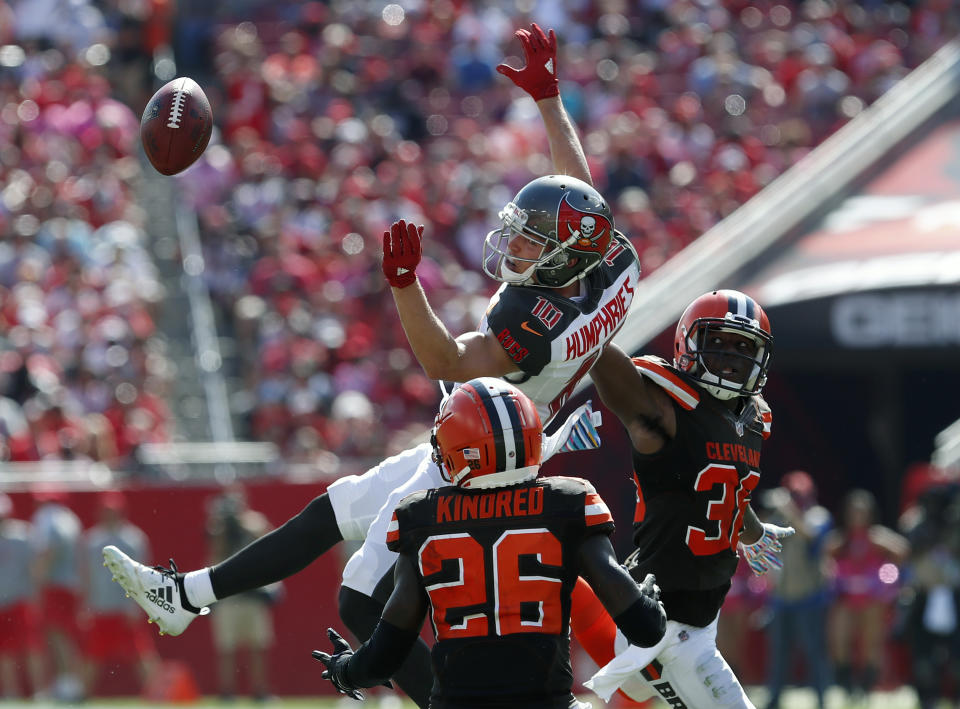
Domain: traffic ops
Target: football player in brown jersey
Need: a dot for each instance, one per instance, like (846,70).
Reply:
(696,427)
(493,556)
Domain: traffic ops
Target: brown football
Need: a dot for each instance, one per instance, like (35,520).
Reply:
(176,126)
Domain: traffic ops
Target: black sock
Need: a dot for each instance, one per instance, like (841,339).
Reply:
(360,613)
(281,553)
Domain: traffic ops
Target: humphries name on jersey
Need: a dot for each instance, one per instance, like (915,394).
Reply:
(556,340)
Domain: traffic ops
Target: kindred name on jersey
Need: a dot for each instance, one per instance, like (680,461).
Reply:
(520,502)
(601,327)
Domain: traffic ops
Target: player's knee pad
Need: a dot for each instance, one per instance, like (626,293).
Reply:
(718,679)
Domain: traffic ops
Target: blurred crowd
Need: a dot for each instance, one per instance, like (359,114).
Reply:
(857,605)
(83,372)
(337,119)
(334,119)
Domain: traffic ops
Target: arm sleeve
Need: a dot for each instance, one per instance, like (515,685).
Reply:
(281,553)
(381,656)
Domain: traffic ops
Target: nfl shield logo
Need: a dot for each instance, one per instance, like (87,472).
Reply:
(740,428)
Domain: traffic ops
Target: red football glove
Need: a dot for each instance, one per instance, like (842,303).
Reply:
(401,253)
(539,77)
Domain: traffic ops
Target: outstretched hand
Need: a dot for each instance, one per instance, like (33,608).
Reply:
(336,665)
(539,77)
(401,253)
(762,555)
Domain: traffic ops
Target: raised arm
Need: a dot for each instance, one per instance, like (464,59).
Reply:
(642,407)
(441,355)
(539,79)
(565,147)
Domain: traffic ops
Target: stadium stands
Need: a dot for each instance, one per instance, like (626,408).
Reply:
(687,111)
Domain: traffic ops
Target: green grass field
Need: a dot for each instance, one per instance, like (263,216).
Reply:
(903,698)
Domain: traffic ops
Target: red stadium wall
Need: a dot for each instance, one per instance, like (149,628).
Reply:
(173,518)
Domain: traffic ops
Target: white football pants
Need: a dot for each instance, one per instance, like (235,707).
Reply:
(688,673)
(364,504)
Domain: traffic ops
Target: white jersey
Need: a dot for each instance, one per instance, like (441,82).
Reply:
(554,340)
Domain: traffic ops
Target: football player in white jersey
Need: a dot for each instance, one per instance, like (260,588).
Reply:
(568,279)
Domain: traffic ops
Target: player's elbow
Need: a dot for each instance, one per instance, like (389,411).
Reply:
(447,365)
(644,623)
(439,370)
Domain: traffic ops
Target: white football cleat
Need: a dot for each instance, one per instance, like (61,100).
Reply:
(158,591)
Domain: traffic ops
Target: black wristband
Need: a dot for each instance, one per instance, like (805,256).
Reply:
(381,656)
(643,623)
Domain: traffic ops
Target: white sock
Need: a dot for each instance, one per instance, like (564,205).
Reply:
(199,588)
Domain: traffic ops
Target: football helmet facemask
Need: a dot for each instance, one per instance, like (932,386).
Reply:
(566,217)
(695,342)
(487,434)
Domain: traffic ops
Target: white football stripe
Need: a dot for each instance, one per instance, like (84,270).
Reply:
(598,508)
(509,447)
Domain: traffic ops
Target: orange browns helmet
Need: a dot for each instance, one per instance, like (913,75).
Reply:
(723,311)
(487,434)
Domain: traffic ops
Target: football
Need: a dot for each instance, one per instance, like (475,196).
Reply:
(176,126)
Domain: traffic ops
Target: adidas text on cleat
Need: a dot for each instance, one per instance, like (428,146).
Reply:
(158,591)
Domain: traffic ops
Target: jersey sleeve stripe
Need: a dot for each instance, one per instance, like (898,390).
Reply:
(393,529)
(669,382)
(596,510)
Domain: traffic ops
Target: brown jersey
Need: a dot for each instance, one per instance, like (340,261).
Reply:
(692,495)
(499,566)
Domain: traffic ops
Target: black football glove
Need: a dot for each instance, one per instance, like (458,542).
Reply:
(336,665)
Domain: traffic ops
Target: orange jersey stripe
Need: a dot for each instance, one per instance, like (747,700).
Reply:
(652,671)
(393,530)
(767,418)
(683,393)
(596,510)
